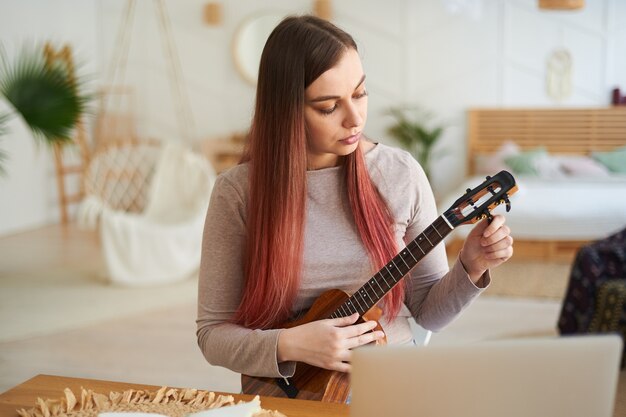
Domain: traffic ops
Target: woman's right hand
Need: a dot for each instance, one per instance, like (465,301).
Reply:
(326,343)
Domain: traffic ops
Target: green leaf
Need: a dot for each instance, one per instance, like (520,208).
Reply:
(45,97)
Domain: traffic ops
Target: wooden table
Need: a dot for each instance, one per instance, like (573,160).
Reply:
(50,386)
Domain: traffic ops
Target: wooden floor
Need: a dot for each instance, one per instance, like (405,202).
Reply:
(148,335)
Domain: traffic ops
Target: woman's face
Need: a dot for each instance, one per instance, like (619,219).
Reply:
(335,112)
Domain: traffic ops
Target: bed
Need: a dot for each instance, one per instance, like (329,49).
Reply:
(553,213)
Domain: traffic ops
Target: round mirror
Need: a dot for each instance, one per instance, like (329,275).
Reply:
(249,42)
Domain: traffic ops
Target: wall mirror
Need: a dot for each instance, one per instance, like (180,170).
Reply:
(249,42)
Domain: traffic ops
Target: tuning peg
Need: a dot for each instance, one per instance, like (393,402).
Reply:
(468,191)
(508,203)
(488,177)
(490,189)
(486,215)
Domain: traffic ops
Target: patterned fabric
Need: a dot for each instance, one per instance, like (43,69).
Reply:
(610,308)
(595,301)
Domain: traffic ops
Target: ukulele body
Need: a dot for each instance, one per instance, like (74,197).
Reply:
(310,382)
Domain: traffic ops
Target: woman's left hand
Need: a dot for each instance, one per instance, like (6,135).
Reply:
(487,246)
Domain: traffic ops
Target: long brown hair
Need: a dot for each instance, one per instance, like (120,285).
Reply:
(297,52)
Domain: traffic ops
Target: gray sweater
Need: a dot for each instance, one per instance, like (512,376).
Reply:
(334,257)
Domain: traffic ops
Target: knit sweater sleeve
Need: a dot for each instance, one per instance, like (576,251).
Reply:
(436,295)
(220,287)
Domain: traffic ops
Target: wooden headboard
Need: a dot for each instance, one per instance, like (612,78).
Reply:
(564,131)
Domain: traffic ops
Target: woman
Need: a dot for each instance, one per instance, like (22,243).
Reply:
(316,206)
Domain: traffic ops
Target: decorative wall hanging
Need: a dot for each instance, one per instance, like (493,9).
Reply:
(559,75)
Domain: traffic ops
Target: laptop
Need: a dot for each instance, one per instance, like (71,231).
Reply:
(573,376)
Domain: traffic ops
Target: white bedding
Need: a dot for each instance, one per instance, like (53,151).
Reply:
(558,209)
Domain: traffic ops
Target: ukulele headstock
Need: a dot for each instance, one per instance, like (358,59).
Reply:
(476,204)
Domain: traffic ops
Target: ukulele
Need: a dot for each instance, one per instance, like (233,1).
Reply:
(313,383)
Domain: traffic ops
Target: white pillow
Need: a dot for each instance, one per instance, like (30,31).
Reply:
(493,163)
(549,167)
(583,166)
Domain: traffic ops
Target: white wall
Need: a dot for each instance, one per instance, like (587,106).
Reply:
(492,53)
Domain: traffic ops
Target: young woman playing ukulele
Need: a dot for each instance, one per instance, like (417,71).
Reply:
(315,205)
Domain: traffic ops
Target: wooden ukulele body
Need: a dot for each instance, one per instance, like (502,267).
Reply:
(310,382)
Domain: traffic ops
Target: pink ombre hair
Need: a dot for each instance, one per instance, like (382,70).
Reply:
(297,52)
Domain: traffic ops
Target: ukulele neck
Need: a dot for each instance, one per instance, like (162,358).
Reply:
(397,268)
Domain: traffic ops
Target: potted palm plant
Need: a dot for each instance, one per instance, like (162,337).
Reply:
(415,131)
(44,94)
